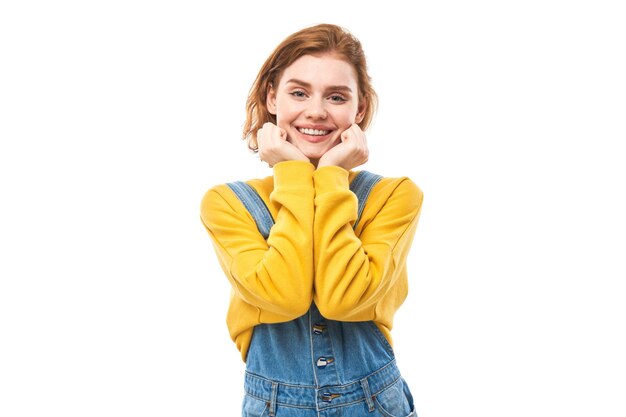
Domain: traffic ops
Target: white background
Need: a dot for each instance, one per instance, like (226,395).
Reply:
(117,116)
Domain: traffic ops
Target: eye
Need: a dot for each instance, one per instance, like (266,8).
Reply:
(298,93)
(337,98)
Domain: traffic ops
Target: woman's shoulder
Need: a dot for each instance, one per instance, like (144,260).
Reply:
(389,183)
(399,189)
(221,196)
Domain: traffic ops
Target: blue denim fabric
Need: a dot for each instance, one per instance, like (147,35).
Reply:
(255,206)
(313,367)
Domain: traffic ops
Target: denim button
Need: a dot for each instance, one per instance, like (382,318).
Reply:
(322,362)
(318,328)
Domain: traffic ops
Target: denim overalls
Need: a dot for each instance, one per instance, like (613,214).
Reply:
(314,367)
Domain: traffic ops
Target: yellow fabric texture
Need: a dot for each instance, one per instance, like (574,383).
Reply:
(313,253)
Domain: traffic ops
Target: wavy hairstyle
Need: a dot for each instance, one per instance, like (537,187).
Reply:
(315,40)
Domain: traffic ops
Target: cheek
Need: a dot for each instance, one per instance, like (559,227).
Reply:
(348,115)
(285,114)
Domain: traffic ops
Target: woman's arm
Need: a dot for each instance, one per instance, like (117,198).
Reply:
(353,273)
(275,275)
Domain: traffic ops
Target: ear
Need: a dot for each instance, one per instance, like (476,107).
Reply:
(270,102)
(360,111)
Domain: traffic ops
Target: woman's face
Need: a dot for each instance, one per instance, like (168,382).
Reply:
(317,98)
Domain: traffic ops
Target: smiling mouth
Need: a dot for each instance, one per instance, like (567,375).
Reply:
(313,132)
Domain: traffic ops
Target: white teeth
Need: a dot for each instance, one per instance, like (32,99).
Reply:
(313,132)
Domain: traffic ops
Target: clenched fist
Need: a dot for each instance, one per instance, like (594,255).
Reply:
(274,147)
(350,153)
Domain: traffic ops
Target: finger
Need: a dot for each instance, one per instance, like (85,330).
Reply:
(358,135)
(357,130)
(274,132)
(360,132)
(259,137)
(350,135)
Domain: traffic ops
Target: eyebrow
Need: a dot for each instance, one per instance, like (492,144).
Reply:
(331,87)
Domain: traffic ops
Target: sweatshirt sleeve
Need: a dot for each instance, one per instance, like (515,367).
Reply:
(353,273)
(274,275)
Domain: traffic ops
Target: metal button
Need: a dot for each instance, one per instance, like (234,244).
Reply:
(318,328)
(328,397)
(322,362)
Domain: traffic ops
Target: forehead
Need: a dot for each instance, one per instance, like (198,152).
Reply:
(320,71)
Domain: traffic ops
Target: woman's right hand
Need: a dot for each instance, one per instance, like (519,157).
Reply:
(273,146)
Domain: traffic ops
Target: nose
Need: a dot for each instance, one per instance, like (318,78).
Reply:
(316,110)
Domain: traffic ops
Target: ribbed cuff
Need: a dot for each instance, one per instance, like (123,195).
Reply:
(293,174)
(330,178)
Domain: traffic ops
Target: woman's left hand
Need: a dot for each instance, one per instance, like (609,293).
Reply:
(350,153)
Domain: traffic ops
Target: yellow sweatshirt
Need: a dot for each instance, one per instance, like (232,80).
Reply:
(312,252)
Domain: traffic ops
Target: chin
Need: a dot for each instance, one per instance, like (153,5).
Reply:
(314,153)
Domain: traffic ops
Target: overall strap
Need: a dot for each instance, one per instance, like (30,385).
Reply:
(255,206)
(361,185)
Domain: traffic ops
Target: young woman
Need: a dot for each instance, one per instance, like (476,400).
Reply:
(313,297)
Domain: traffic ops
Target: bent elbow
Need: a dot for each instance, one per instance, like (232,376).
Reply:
(339,311)
(295,306)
